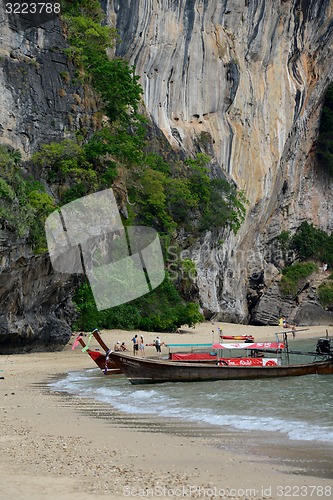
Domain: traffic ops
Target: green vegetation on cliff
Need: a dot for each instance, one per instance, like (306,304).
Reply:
(310,242)
(325,294)
(112,78)
(24,204)
(293,277)
(160,310)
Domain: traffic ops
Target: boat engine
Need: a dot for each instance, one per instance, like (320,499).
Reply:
(323,346)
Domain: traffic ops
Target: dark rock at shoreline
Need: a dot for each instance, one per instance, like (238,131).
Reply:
(313,314)
(36,306)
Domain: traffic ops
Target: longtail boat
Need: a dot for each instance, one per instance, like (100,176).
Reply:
(149,371)
(189,356)
(247,338)
(107,366)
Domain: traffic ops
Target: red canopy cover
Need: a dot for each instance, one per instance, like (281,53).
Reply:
(95,354)
(194,356)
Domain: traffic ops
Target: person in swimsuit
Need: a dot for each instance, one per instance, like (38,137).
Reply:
(142,346)
(135,341)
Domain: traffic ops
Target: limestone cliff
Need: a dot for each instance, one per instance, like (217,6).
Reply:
(39,102)
(243,80)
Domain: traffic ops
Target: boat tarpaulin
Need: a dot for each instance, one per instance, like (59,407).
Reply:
(94,354)
(192,356)
(253,345)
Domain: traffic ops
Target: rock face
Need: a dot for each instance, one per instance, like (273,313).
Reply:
(243,80)
(40,100)
(39,103)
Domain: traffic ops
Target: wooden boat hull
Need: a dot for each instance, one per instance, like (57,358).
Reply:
(148,371)
(100,360)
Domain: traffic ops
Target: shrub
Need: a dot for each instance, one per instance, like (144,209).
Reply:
(294,275)
(6,191)
(65,163)
(325,294)
(311,242)
(24,204)
(284,241)
(160,310)
(113,79)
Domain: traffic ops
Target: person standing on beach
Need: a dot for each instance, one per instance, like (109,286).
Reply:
(283,322)
(135,345)
(293,331)
(142,346)
(158,344)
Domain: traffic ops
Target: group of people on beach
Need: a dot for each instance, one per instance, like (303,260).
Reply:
(120,346)
(139,345)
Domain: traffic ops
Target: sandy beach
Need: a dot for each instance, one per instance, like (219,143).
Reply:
(61,447)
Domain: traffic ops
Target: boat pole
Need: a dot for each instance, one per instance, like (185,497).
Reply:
(100,340)
(285,338)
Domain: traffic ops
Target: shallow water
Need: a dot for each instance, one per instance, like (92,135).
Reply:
(299,408)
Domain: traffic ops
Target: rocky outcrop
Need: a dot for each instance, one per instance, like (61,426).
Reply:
(243,80)
(303,308)
(36,309)
(310,314)
(41,99)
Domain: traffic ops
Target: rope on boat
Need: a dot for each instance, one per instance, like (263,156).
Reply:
(91,334)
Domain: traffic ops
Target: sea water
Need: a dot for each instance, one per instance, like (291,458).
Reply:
(298,408)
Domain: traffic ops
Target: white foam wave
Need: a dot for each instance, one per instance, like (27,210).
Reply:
(169,403)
